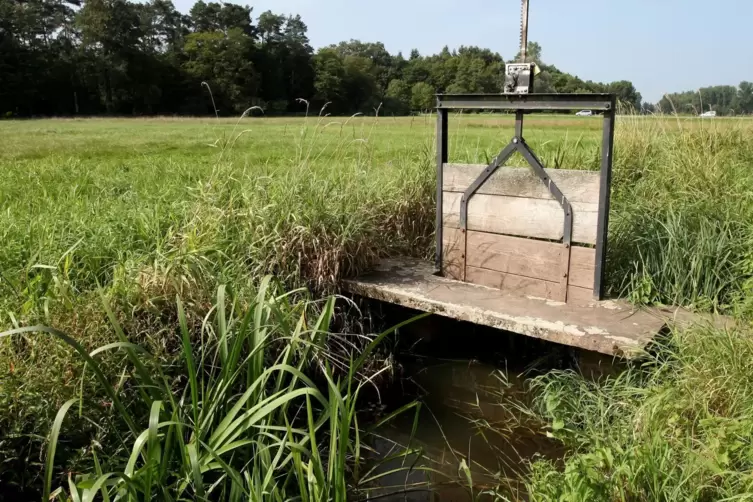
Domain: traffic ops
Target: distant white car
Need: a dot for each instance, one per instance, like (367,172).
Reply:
(708,114)
(584,113)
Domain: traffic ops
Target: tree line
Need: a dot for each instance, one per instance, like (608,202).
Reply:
(723,99)
(89,57)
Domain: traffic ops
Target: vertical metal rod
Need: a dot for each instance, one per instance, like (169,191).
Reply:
(602,224)
(523,31)
(442,156)
(519,124)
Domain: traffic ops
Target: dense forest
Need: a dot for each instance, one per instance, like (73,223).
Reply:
(66,57)
(73,57)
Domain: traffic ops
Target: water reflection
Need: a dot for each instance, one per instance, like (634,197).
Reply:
(469,429)
(474,437)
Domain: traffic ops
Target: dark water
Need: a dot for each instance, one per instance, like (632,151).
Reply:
(474,435)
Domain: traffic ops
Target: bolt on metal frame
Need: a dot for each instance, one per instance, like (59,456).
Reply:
(522,103)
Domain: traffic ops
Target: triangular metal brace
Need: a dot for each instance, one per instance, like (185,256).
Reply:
(518,144)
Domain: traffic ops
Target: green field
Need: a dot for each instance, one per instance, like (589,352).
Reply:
(141,211)
(313,200)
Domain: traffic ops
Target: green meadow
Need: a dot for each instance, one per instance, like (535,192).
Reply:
(184,269)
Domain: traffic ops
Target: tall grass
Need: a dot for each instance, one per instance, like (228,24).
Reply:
(309,212)
(246,414)
(151,210)
(149,225)
(314,201)
(680,230)
(677,427)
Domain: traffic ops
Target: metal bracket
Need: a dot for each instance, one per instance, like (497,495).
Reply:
(518,144)
(519,78)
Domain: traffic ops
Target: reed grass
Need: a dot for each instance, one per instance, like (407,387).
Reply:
(243,416)
(681,228)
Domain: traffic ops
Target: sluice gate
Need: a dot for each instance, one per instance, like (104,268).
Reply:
(523,249)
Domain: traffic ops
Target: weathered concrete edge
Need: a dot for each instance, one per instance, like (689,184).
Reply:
(529,326)
(681,318)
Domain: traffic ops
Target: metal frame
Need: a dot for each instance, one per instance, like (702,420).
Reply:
(442,152)
(522,103)
(531,102)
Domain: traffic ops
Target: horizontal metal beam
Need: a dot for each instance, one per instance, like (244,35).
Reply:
(596,102)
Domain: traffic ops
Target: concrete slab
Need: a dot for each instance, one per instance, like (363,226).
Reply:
(610,327)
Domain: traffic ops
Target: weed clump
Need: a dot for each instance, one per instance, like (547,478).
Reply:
(680,232)
(677,426)
(248,408)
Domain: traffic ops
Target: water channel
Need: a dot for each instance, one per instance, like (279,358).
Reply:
(472,434)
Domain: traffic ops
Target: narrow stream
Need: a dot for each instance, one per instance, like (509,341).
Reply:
(471,434)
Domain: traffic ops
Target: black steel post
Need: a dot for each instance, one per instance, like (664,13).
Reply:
(519,124)
(607,144)
(442,156)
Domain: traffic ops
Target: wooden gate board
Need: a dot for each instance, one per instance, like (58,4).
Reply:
(609,327)
(512,223)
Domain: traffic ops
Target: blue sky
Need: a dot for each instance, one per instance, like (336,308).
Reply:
(660,45)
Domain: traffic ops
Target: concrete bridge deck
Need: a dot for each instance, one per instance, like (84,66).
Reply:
(611,327)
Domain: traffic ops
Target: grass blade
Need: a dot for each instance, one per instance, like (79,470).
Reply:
(53,443)
(190,365)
